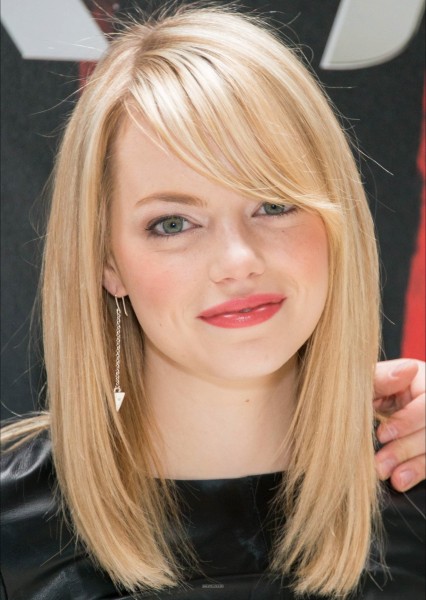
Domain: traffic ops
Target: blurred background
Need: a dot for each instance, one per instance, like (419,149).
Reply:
(370,58)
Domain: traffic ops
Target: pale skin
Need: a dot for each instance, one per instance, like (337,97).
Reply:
(216,390)
(400,395)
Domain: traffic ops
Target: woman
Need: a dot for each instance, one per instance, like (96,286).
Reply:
(211,267)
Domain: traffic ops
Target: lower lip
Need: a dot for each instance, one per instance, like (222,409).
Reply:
(244,319)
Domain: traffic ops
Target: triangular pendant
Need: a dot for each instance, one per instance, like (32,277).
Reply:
(119,396)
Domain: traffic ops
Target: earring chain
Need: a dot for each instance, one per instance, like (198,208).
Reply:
(117,349)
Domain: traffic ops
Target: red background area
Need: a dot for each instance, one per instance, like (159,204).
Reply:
(414,336)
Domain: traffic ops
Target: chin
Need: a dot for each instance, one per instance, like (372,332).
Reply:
(246,370)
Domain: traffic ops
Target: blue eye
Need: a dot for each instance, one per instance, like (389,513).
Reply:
(274,209)
(167,226)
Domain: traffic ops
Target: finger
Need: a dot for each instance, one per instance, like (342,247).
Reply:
(393,376)
(403,422)
(409,474)
(389,404)
(399,451)
(418,384)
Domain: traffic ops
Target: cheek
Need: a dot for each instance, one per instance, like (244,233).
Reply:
(308,279)
(313,253)
(306,249)
(156,283)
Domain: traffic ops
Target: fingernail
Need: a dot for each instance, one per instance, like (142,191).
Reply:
(386,434)
(401,367)
(386,467)
(406,477)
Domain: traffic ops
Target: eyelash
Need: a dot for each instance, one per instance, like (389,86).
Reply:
(151,226)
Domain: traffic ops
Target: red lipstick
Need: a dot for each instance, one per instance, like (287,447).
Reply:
(243,312)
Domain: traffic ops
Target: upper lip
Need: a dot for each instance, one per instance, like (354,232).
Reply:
(238,304)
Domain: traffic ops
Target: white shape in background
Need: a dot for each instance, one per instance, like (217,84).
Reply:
(53,29)
(366,33)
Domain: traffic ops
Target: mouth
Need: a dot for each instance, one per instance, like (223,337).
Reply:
(243,312)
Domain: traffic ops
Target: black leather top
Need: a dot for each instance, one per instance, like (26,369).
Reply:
(228,526)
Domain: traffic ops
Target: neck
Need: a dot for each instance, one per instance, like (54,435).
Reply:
(214,429)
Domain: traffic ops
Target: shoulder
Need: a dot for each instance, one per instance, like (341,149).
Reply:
(25,468)
(28,490)
(29,511)
(28,504)
(41,557)
(404,547)
(404,521)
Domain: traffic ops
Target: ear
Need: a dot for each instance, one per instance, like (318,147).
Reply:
(111,279)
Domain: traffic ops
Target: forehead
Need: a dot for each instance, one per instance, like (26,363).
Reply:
(142,163)
(135,139)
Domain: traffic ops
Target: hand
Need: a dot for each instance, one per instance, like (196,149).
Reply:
(400,404)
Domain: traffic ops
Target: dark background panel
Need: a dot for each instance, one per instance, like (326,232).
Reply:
(381,107)
(33,107)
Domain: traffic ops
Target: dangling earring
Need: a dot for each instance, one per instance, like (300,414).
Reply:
(118,394)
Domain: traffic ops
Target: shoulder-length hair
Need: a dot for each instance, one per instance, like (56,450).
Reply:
(205,79)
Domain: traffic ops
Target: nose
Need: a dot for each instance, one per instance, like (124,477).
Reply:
(235,256)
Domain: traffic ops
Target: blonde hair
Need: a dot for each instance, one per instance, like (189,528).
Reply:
(206,78)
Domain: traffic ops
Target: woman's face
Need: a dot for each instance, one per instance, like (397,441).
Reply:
(224,286)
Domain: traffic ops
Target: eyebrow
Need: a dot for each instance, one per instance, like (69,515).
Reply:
(171,197)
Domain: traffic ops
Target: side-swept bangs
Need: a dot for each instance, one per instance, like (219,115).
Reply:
(250,119)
